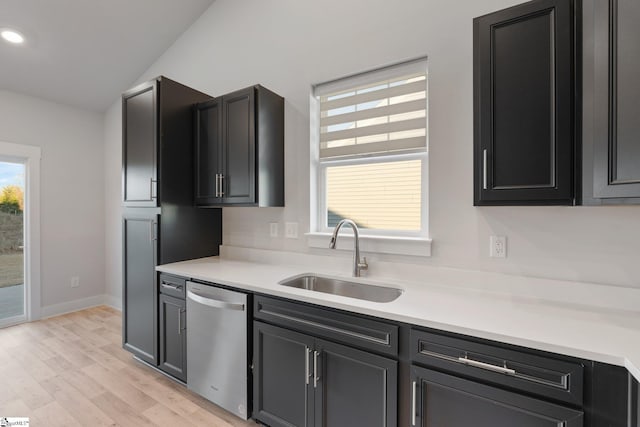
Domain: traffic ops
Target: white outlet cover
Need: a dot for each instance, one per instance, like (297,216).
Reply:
(273,229)
(291,230)
(75,282)
(498,246)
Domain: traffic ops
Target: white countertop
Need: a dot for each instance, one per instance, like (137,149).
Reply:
(596,332)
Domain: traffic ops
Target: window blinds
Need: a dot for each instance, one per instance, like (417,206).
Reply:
(380,112)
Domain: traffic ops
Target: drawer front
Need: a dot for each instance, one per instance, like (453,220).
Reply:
(544,376)
(349,329)
(172,285)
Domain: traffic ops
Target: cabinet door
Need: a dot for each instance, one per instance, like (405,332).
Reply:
(444,400)
(616,126)
(173,337)
(239,148)
(208,152)
(282,393)
(523,105)
(139,327)
(355,388)
(139,146)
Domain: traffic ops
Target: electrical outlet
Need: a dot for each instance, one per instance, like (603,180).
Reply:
(75,282)
(497,246)
(291,230)
(273,229)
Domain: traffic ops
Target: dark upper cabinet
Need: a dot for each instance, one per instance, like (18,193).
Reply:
(240,149)
(439,400)
(524,110)
(173,336)
(157,154)
(140,257)
(611,109)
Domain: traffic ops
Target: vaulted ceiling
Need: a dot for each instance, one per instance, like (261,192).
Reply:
(84,53)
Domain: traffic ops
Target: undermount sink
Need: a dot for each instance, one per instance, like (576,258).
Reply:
(343,288)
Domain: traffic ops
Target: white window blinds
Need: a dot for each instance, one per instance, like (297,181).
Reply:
(380,112)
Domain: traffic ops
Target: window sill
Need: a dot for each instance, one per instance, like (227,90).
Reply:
(414,246)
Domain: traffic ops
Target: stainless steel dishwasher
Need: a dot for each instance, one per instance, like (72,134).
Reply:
(217,366)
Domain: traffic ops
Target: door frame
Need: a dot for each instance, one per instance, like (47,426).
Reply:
(28,155)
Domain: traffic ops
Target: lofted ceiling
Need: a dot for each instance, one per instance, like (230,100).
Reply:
(84,53)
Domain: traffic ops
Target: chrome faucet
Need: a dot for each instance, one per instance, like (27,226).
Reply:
(357,265)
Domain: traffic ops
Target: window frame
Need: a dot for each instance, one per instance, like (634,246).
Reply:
(406,242)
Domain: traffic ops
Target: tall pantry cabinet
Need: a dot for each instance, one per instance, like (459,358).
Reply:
(160,221)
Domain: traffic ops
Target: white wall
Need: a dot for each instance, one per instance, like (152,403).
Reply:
(288,45)
(72,194)
(113,200)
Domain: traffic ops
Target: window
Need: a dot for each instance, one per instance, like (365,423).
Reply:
(369,152)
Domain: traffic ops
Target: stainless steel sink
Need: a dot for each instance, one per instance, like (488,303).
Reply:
(343,288)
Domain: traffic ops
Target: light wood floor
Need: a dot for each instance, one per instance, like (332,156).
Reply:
(70,370)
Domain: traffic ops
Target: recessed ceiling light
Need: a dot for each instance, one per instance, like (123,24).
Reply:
(12,36)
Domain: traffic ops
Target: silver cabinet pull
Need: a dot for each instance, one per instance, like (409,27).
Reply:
(179,322)
(152,231)
(168,286)
(484,169)
(217,185)
(221,185)
(307,352)
(487,366)
(413,404)
(315,369)
(153,189)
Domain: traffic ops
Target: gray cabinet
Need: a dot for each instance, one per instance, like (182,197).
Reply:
(140,257)
(240,149)
(610,127)
(445,400)
(524,105)
(303,381)
(318,367)
(160,222)
(283,388)
(139,134)
(172,334)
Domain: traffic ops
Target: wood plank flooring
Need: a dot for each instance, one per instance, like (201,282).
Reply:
(70,370)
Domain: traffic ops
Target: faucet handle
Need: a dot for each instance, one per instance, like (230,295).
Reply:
(363,265)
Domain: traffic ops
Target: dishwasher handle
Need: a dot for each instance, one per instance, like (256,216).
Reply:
(200,299)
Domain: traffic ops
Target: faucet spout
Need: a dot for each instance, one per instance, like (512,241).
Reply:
(358,265)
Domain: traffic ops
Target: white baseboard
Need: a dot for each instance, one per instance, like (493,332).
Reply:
(113,302)
(79,304)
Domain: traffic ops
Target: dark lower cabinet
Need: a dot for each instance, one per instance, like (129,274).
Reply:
(440,400)
(282,396)
(140,253)
(303,381)
(354,388)
(173,337)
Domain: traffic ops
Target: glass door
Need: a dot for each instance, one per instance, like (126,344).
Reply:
(12,208)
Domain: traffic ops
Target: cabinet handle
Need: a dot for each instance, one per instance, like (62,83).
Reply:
(153,188)
(152,231)
(413,404)
(315,369)
(484,169)
(487,366)
(307,353)
(179,322)
(221,185)
(168,286)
